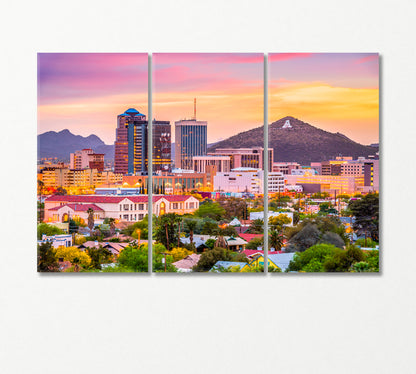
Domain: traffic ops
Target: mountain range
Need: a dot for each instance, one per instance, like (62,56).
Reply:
(61,144)
(298,142)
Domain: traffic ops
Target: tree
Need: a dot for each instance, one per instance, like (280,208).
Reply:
(312,259)
(278,222)
(210,209)
(221,242)
(159,257)
(73,255)
(210,243)
(112,226)
(165,229)
(325,207)
(366,212)
(332,238)
(255,243)
(256,226)
(190,225)
(99,256)
(72,226)
(369,243)
(79,239)
(209,227)
(61,191)
(227,231)
(142,225)
(343,261)
(276,240)
(209,258)
(178,253)
(90,212)
(48,230)
(41,188)
(308,236)
(47,261)
(234,207)
(134,258)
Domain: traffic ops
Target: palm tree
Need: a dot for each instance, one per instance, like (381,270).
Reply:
(90,212)
(41,186)
(112,226)
(191,225)
(256,226)
(276,240)
(221,242)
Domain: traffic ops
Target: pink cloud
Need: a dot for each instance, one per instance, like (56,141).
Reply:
(68,76)
(371,57)
(287,56)
(208,58)
(183,78)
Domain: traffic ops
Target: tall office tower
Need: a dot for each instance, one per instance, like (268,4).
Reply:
(131,146)
(162,153)
(190,140)
(121,149)
(137,134)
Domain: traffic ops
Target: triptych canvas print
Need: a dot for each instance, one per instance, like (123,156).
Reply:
(203,172)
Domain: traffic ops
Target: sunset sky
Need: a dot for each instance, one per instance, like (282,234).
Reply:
(228,89)
(84,92)
(338,92)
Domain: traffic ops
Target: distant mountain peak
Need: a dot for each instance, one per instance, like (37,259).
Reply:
(61,144)
(295,140)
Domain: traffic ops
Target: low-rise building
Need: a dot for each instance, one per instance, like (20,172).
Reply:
(245,157)
(64,240)
(125,208)
(248,180)
(86,159)
(168,183)
(285,167)
(328,183)
(84,178)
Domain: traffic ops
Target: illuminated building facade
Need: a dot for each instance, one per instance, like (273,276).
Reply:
(131,145)
(190,140)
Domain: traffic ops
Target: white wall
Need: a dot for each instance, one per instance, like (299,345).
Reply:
(207,324)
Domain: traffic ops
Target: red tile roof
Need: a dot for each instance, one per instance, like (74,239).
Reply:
(188,262)
(79,207)
(177,197)
(113,199)
(251,252)
(248,237)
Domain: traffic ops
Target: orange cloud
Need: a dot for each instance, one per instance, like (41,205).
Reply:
(351,111)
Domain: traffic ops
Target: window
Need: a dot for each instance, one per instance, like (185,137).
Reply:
(126,207)
(141,206)
(175,206)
